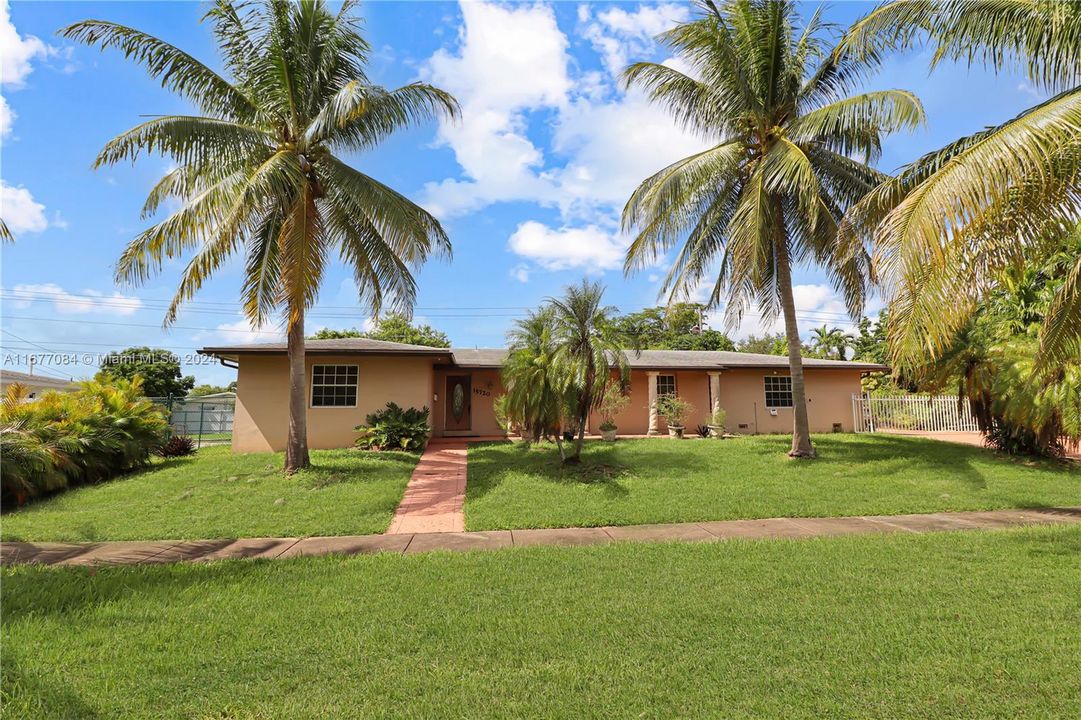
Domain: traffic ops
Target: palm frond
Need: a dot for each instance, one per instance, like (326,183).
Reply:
(197,142)
(178,71)
(359,115)
(856,124)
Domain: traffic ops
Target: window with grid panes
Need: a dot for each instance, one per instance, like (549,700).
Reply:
(334,386)
(778,391)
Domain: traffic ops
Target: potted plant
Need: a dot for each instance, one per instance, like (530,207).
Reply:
(716,422)
(675,411)
(612,403)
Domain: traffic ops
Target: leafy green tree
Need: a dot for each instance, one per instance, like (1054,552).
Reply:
(871,344)
(159,369)
(587,342)
(767,344)
(951,222)
(201,390)
(394,327)
(258,168)
(1020,408)
(792,152)
(676,327)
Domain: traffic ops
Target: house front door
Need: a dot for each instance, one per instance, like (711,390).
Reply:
(459,404)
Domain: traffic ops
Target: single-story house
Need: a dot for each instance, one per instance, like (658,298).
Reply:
(350,378)
(35,384)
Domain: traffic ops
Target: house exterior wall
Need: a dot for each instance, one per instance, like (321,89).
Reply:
(743,397)
(262,406)
(829,400)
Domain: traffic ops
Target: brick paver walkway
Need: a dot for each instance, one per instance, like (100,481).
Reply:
(130,553)
(433,500)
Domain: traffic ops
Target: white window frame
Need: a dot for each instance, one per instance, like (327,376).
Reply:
(766,392)
(675,384)
(311,387)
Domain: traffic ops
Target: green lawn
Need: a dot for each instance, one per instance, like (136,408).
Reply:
(661,480)
(216,494)
(979,624)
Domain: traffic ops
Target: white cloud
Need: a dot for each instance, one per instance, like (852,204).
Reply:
(509,60)
(520,272)
(20,211)
(242,332)
(7,117)
(16,52)
(620,36)
(616,145)
(512,65)
(590,247)
(81,303)
(816,304)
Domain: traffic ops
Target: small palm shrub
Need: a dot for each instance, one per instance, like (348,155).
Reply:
(66,439)
(177,446)
(394,429)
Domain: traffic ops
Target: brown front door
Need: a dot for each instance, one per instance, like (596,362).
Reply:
(459,403)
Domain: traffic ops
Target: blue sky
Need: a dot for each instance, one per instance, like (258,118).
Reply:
(529,185)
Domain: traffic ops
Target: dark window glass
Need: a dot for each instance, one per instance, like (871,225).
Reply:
(778,391)
(334,385)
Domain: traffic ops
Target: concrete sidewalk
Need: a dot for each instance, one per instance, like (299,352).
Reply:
(132,553)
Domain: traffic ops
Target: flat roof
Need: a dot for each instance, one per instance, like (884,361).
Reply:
(495,357)
(13,376)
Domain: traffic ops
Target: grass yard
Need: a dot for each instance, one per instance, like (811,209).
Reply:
(655,481)
(216,494)
(979,624)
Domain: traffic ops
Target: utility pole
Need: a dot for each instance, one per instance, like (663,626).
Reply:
(32,364)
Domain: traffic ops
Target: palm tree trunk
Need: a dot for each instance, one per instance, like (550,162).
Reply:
(296,448)
(584,403)
(801,432)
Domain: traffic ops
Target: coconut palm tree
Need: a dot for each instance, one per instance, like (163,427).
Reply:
(949,224)
(587,343)
(831,341)
(791,151)
(259,170)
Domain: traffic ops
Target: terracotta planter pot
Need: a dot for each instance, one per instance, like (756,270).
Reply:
(675,432)
(609,435)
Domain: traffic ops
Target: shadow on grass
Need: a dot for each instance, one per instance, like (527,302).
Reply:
(45,698)
(600,466)
(155,465)
(60,591)
(877,455)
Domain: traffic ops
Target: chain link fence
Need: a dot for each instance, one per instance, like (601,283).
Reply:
(207,419)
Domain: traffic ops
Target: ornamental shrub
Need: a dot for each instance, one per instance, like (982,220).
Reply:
(67,439)
(394,429)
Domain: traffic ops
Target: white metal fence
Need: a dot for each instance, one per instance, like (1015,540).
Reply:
(207,419)
(933,413)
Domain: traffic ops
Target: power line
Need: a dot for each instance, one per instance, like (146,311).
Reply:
(46,372)
(355,312)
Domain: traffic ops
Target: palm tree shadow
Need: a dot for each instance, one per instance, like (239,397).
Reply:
(600,467)
(50,698)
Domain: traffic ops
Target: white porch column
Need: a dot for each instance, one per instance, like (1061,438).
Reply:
(652,380)
(715,391)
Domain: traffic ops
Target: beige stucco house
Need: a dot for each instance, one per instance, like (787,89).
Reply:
(348,379)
